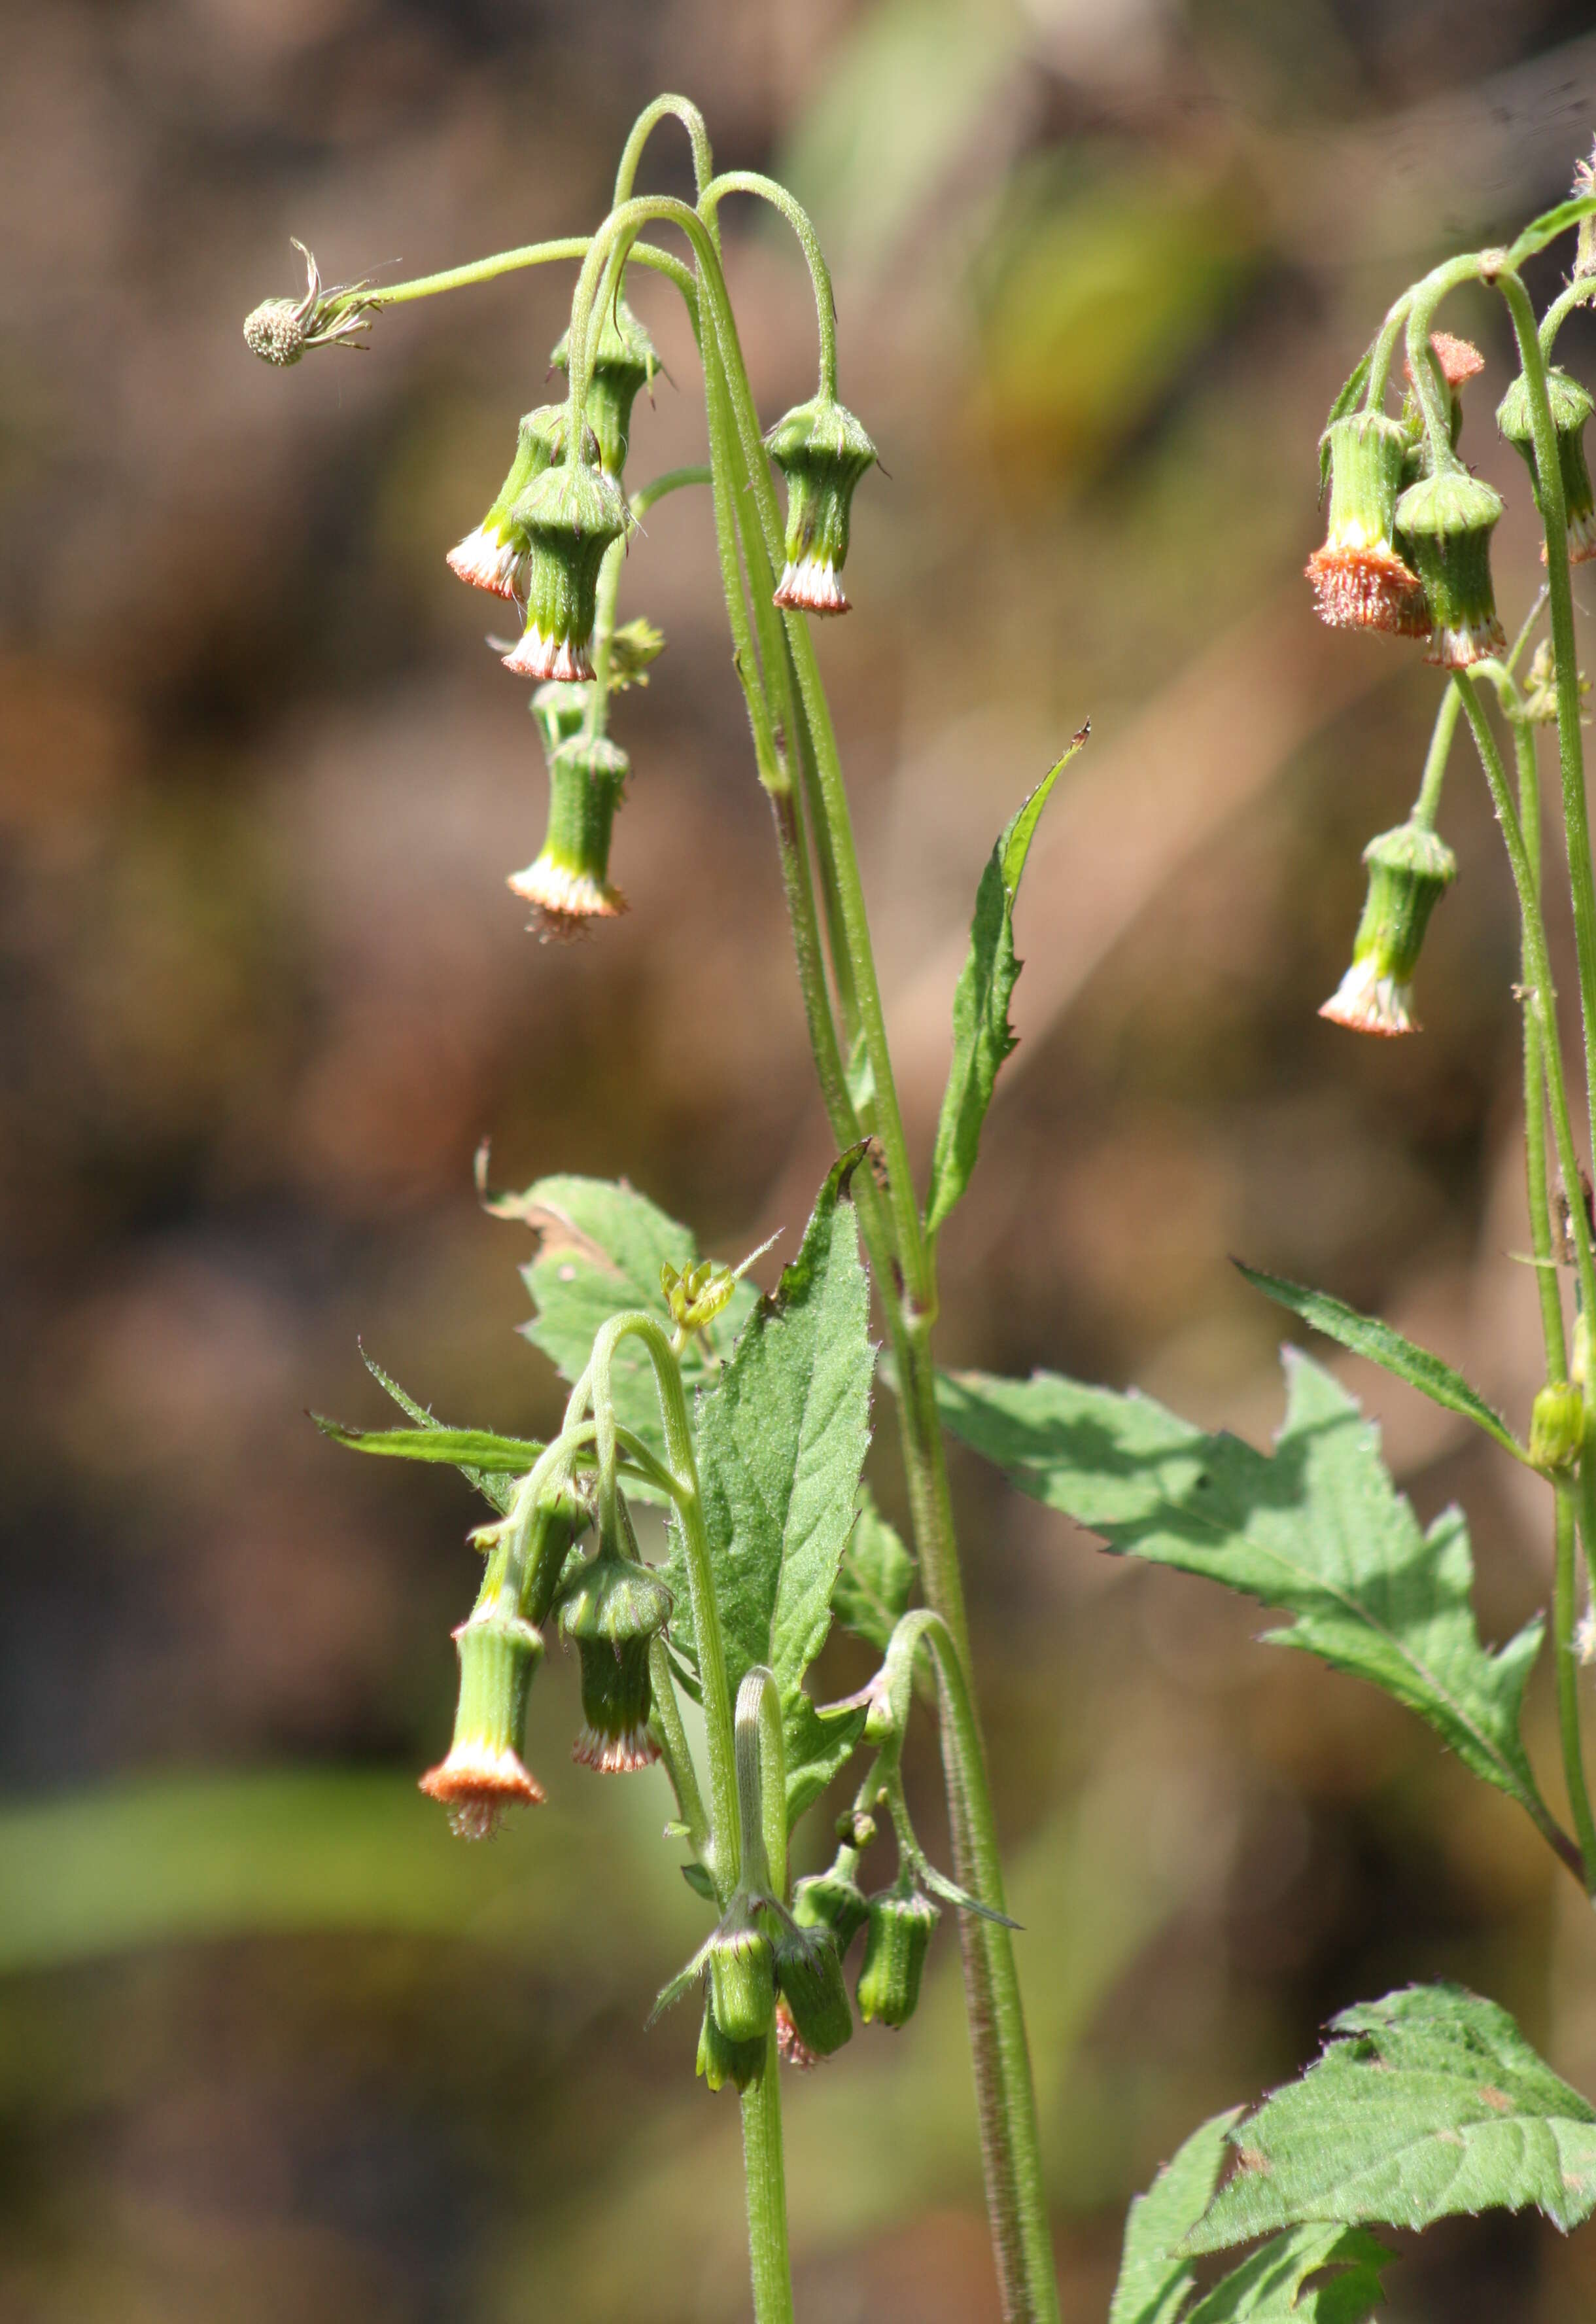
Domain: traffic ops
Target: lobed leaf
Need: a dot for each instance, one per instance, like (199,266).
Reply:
(782,1437)
(1273,2286)
(1366,1335)
(1154,2278)
(982,1034)
(600,1249)
(876,1579)
(1423,2105)
(1319,1530)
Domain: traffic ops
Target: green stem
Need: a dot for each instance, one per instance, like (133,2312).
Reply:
(1427,383)
(713,1682)
(1029,2253)
(1427,804)
(906,1284)
(1565,1610)
(762,1809)
(674,480)
(1535,1078)
(750,181)
(505,262)
(1570,757)
(765,2185)
(1579,292)
(1538,1002)
(675,1750)
(1383,353)
(1538,968)
(665,108)
(762,1785)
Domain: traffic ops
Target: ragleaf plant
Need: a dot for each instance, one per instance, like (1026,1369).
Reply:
(746,1418)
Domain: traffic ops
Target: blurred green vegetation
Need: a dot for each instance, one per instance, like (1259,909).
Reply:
(270,2042)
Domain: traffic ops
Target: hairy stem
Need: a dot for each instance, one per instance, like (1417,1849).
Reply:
(713,1682)
(750,181)
(675,1750)
(1571,756)
(764,2184)
(503,261)
(906,1281)
(1539,1000)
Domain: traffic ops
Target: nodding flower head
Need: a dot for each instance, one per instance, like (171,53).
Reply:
(897,1937)
(483,1774)
(569,515)
(1558,1427)
(721,2059)
(833,1901)
(1444,528)
(612,1610)
(491,555)
(823,452)
(1570,408)
(813,2017)
(281,330)
(568,883)
(1360,581)
(1409,870)
(623,363)
(741,1968)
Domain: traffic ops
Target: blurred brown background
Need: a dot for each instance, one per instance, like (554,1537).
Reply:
(269,2044)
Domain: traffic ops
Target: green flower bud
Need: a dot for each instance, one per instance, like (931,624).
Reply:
(568,884)
(491,557)
(742,1980)
(897,1936)
(833,1901)
(823,452)
(814,2018)
(1570,408)
(1443,528)
(624,362)
(483,1774)
(1409,870)
(1359,582)
(721,2060)
(612,1610)
(1557,1426)
(570,516)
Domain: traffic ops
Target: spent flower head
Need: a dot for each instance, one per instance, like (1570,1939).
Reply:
(281,330)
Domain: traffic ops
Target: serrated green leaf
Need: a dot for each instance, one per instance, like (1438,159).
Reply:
(1366,1335)
(466,1449)
(1319,1530)
(1273,2287)
(1423,2105)
(496,1490)
(1550,223)
(781,1441)
(1351,392)
(1154,2278)
(982,1034)
(601,1248)
(817,1745)
(876,1579)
